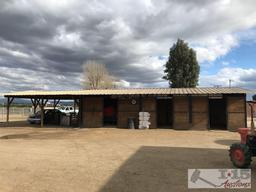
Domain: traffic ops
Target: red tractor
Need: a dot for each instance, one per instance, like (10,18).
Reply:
(241,153)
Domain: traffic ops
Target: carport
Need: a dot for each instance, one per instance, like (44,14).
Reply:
(40,99)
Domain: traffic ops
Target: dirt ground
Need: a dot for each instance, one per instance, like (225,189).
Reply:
(107,159)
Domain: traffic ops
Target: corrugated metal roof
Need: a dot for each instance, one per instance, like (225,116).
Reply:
(137,91)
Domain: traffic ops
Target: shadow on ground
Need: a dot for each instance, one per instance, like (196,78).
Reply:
(165,169)
(226,142)
(15,136)
(25,124)
(16,124)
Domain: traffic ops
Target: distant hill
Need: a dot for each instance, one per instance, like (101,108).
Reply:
(22,102)
(16,102)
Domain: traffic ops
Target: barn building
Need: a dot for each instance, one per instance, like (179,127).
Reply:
(171,108)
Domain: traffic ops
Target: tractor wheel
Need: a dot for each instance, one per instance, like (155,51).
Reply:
(240,155)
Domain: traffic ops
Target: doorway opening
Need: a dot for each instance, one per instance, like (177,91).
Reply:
(164,113)
(218,113)
(110,112)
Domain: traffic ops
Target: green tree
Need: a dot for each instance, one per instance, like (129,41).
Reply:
(182,69)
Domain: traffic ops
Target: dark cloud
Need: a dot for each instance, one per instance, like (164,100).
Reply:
(43,45)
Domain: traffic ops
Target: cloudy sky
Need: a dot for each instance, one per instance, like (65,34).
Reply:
(44,43)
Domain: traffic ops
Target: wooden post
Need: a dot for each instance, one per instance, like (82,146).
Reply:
(245,111)
(32,101)
(80,113)
(42,112)
(7,109)
(141,104)
(190,108)
(55,103)
(37,101)
(35,104)
(74,106)
(42,105)
(251,104)
(54,106)
(252,120)
(9,101)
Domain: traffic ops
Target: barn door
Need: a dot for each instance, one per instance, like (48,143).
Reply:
(164,113)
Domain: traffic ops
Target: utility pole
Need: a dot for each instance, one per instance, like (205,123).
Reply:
(230,81)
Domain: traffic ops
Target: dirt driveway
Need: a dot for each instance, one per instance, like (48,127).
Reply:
(107,159)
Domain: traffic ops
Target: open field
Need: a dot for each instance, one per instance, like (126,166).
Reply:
(107,159)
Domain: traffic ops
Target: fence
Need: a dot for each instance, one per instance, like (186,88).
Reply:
(16,113)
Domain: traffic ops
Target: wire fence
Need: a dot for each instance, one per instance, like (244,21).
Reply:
(15,113)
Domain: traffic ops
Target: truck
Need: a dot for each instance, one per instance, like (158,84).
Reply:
(68,109)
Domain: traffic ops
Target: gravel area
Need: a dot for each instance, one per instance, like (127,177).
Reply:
(108,159)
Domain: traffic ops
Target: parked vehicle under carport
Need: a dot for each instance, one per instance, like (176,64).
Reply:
(51,116)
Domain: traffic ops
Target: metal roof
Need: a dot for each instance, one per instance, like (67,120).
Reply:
(135,91)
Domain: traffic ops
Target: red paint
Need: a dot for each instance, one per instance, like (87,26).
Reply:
(109,111)
(238,155)
(243,133)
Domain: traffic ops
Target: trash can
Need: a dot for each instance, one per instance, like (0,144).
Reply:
(131,121)
(65,120)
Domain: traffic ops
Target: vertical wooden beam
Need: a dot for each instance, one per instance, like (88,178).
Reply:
(190,108)
(37,101)
(42,105)
(55,103)
(245,111)
(9,101)
(227,101)
(172,111)
(42,112)
(74,106)
(54,106)
(141,104)
(252,120)
(32,101)
(35,104)
(208,109)
(80,114)
(7,109)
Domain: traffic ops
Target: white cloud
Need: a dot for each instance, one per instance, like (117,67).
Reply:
(240,77)
(151,63)
(65,39)
(225,63)
(123,83)
(15,53)
(215,47)
(34,80)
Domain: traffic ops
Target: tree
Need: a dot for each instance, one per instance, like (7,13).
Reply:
(254,97)
(96,76)
(182,69)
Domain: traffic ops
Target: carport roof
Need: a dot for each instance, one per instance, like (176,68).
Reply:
(135,91)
